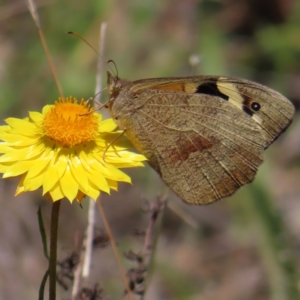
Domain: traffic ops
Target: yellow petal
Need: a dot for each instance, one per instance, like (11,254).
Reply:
(31,184)
(50,179)
(4,148)
(18,140)
(111,172)
(4,129)
(46,108)
(68,185)
(22,153)
(128,165)
(36,117)
(93,192)
(61,164)
(20,124)
(97,179)
(5,166)
(107,125)
(56,193)
(79,174)
(27,133)
(40,164)
(18,168)
(112,184)
(20,188)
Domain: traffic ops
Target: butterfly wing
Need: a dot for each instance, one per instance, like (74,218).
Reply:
(268,108)
(202,142)
(271,110)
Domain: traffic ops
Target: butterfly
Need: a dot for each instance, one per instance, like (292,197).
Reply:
(204,135)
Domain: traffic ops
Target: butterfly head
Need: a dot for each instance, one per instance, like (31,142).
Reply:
(114,85)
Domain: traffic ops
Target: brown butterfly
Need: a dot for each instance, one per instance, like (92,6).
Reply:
(204,135)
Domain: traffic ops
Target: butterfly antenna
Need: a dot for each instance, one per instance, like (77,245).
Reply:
(83,39)
(93,99)
(113,62)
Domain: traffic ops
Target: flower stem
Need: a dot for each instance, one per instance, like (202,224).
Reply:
(35,16)
(53,250)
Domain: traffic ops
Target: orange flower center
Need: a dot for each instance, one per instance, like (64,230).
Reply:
(70,123)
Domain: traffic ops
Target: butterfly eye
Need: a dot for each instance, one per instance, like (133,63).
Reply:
(255,106)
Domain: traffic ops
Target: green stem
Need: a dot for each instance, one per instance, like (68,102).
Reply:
(53,250)
(42,286)
(43,233)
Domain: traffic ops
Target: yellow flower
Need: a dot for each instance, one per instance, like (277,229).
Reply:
(63,149)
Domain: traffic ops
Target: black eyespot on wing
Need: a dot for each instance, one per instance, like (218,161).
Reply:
(250,106)
(211,88)
(255,106)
